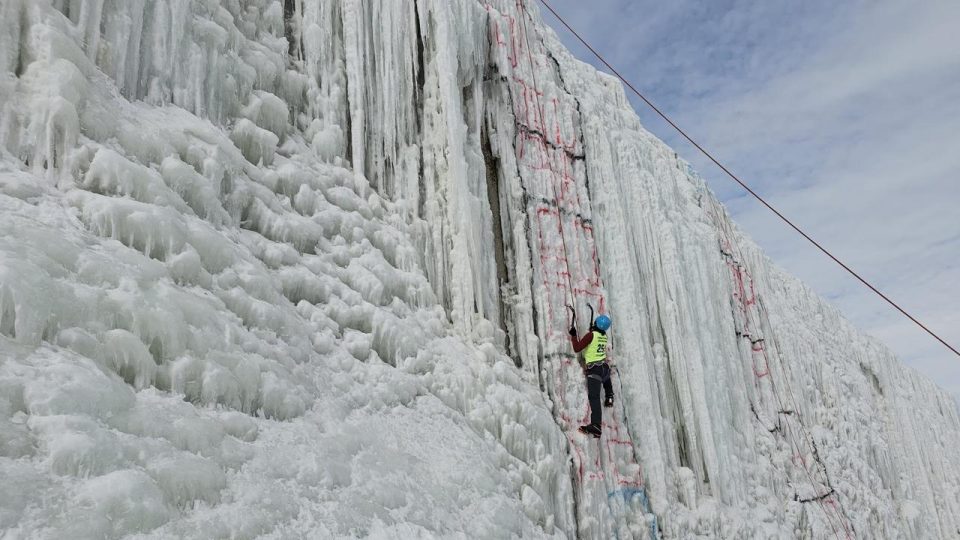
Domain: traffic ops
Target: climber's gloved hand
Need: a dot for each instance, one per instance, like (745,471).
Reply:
(573,331)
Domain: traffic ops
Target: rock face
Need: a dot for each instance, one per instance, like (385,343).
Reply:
(301,268)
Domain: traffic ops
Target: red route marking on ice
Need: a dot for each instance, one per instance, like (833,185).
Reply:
(740,276)
(558,132)
(742,282)
(496,35)
(513,42)
(534,132)
(831,501)
(556,124)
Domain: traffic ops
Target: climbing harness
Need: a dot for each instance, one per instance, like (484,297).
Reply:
(757,345)
(613,462)
(538,134)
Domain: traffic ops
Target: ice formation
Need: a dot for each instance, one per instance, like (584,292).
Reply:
(299,269)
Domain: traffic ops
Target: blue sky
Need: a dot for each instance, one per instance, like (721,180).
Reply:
(844,115)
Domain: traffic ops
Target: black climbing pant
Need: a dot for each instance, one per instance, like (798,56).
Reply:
(598,375)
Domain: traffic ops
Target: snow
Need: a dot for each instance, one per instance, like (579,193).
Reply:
(302,272)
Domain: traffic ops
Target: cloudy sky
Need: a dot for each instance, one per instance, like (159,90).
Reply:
(844,115)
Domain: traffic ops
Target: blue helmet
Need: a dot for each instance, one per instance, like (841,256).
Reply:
(602,323)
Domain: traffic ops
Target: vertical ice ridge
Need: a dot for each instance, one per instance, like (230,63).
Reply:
(328,252)
(652,210)
(213,301)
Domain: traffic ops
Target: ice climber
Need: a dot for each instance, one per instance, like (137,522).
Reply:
(595,367)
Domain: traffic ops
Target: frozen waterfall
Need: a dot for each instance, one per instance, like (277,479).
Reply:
(300,269)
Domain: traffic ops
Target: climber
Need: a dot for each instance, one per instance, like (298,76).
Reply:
(595,367)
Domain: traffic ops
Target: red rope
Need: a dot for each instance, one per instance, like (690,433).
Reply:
(739,272)
(580,456)
(742,290)
(742,184)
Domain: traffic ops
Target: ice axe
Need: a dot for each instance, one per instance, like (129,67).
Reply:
(573,312)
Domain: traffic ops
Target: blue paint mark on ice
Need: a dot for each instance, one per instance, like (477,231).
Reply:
(627,494)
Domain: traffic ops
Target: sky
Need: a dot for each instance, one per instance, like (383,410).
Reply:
(843,115)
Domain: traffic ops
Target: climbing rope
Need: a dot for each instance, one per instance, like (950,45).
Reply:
(543,128)
(748,301)
(627,488)
(758,345)
(742,184)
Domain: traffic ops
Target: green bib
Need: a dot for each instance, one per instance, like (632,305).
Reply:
(597,350)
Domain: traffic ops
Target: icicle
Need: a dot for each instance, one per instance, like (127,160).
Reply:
(239,235)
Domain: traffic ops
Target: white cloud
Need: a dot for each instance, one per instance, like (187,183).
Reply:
(845,115)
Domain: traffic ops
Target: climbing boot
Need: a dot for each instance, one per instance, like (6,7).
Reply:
(608,402)
(591,429)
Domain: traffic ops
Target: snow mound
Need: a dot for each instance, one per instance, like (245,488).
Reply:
(300,269)
(206,331)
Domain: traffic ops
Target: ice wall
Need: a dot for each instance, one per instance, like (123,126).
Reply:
(301,268)
(210,326)
(756,409)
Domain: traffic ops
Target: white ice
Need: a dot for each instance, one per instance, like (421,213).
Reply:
(299,269)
